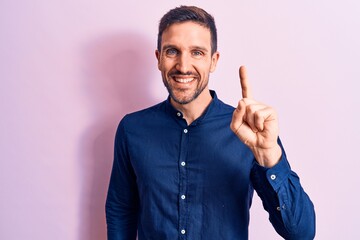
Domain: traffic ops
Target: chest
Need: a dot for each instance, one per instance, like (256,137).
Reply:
(208,156)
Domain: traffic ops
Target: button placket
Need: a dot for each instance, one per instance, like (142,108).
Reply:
(183,182)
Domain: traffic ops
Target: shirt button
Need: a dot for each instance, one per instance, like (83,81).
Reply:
(185,130)
(182,231)
(273,177)
(278,208)
(178,114)
(183,164)
(182,197)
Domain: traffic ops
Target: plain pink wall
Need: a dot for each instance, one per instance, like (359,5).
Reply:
(70,70)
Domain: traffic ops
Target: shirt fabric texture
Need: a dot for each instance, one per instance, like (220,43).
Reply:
(172,181)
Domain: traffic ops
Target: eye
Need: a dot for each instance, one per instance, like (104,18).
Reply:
(171,52)
(197,53)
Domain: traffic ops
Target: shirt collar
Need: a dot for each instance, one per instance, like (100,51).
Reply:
(208,111)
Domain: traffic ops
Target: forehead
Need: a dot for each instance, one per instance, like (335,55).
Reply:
(187,34)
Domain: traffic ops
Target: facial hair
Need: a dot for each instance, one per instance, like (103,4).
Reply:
(199,88)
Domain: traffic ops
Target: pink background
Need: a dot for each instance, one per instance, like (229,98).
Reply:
(70,70)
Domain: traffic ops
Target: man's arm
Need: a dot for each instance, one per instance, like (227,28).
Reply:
(290,209)
(256,125)
(122,198)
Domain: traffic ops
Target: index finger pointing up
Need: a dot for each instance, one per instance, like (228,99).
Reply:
(246,91)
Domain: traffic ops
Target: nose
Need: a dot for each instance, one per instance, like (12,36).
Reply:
(183,63)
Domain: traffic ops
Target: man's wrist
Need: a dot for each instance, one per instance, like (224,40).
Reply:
(267,157)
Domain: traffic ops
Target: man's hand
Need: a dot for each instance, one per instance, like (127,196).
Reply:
(256,125)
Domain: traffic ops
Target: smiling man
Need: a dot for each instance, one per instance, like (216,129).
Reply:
(187,168)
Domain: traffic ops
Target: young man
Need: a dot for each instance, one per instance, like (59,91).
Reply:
(180,170)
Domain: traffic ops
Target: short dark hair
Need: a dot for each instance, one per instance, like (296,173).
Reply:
(185,14)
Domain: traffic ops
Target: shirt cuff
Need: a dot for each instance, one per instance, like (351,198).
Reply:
(274,175)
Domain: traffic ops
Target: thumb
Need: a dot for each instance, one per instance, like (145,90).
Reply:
(238,116)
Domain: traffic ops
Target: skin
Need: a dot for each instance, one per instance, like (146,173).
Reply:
(185,62)
(256,125)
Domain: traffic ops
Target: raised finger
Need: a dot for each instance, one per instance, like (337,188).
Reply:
(246,91)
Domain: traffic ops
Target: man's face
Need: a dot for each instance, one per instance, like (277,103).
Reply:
(185,60)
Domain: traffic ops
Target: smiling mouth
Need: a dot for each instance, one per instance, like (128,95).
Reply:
(183,80)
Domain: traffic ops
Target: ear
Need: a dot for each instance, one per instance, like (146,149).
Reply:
(157,54)
(214,60)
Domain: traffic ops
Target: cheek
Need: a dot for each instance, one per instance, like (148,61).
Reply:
(212,67)
(165,65)
(162,67)
(207,68)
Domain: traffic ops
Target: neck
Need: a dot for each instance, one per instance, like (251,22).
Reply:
(194,109)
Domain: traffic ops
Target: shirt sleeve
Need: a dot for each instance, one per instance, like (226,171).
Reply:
(290,209)
(122,198)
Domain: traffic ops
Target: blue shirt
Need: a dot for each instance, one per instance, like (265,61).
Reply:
(172,181)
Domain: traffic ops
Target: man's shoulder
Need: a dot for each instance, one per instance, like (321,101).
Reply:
(223,109)
(159,107)
(146,114)
(225,106)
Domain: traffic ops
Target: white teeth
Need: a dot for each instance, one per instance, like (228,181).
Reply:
(184,80)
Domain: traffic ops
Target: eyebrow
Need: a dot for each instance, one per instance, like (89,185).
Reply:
(199,48)
(168,46)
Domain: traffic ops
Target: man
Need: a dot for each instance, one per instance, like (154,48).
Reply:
(180,170)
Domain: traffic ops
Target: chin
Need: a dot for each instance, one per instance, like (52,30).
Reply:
(184,99)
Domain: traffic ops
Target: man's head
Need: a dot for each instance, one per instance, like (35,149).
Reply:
(188,14)
(187,53)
